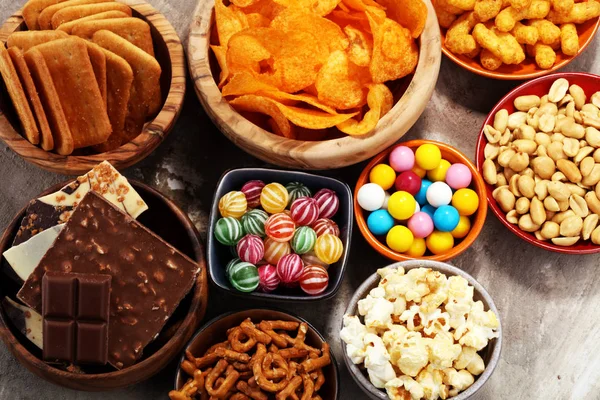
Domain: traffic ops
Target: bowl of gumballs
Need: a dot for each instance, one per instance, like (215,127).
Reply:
(279,235)
(420,199)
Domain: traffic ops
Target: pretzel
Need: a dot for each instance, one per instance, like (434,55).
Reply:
(253,393)
(239,396)
(319,379)
(312,364)
(309,387)
(241,366)
(299,344)
(190,388)
(277,339)
(188,367)
(290,389)
(250,330)
(293,353)
(280,370)
(262,380)
(232,356)
(236,335)
(273,349)
(228,383)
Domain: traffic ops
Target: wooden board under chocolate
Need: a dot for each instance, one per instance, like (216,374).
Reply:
(150,277)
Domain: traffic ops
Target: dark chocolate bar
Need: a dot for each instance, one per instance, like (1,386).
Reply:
(150,277)
(75,308)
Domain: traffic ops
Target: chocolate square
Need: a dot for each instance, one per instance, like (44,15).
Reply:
(59,296)
(59,337)
(89,336)
(93,299)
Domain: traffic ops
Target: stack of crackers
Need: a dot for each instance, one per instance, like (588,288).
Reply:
(83,76)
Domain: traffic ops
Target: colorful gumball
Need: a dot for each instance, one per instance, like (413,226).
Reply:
(399,238)
(421,225)
(380,222)
(251,249)
(417,248)
(289,269)
(274,198)
(233,204)
(370,197)
(275,250)
(466,201)
(228,231)
(463,228)
(325,225)
(421,173)
(428,156)
(314,280)
(305,211)
(446,218)
(243,276)
(409,182)
(329,248)
(231,264)
(401,205)
(439,242)
(386,201)
(383,175)
(311,258)
(439,194)
(251,190)
(328,203)
(459,176)
(304,240)
(268,280)
(402,159)
(429,210)
(254,222)
(280,227)
(421,196)
(438,174)
(297,190)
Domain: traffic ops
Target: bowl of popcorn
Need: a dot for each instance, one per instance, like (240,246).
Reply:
(516,39)
(538,152)
(421,329)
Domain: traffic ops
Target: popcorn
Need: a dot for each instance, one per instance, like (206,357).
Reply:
(421,334)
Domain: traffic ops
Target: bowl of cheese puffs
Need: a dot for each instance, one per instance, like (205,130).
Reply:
(421,329)
(516,39)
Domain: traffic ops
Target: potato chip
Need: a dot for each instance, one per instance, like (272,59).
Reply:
(230,20)
(319,7)
(411,14)
(266,106)
(256,20)
(339,83)
(361,46)
(312,119)
(325,30)
(267,8)
(357,19)
(380,100)
(221,56)
(361,5)
(395,53)
(244,3)
(292,134)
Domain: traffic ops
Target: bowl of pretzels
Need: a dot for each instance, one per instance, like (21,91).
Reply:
(257,354)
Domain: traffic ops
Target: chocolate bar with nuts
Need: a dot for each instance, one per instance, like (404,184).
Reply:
(149,276)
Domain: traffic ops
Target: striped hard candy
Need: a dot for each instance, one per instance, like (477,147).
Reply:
(328,203)
(233,204)
(251,190)
(243,276)
(254,222)
(275,250)
(304,240)
(228,231)
(231,264)
(323,226)
(251,249)
(289,269)
(297,190)
(305,211)
(280,227)
(314,280)
(274,198)
(268,278)
(311,258)
(329,248)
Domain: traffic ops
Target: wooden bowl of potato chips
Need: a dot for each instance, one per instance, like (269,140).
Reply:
(549,39)
(314,84)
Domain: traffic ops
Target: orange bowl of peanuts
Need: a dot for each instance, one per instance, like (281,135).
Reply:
(516,39)
(257,354)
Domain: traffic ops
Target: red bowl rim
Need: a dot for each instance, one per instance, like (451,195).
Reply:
(479,158)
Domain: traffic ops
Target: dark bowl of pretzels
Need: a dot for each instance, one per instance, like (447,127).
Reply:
(257,354)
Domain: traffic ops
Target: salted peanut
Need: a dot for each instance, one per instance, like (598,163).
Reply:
(505,138)
(550,230)
(577,117)
(544,167)
(571,226)
(501,179)
(563,205)
(559,191)
(458,38)
(571,147)
(597,155)
(547,123)
(512,217)
(595,236)
(491,134)
(559,88)
(559,217)
(525,103)
(501,120)
(541,151)
(516,119)
(565,241)
(579,206)
(593,178)
(557,137)
(524,131)
(528,146)
(513,185)
(526,224)
(525,34)
(538,235)
(489,172)
(537,211)
(586,165)
(507,18)
(597,191)
(526,186)
(589,224)
(583,152)
(555,151)
(541,189)
(490,151)
(596,99)
(570,110)
(592,201)
(547,108)
(506,200)
(508,173)
(576,189)
(578,96)
(551,204)
(558,177)
(545,56)
(528,172)
(579,13)
(542,139)
(565,100)
(519,162)
(503,46)
(533,119)
(591,119)
(522,206)
(560,122)
(573,130)
(505,156)
(590,108)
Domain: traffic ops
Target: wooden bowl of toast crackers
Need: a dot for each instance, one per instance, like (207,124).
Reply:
(120,91)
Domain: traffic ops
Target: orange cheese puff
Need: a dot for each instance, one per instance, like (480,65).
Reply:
(465,5)
(507,18)
(502,45)
(569,40)
(580,13)
(458,39)
(525,34)
(489,61)
(520,4)
(444,17)
(446,6)
(475,52)
(545,57)
(487,9)
(562,6)
(549,33)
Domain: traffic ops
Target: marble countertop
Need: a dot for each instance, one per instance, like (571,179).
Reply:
(548,302)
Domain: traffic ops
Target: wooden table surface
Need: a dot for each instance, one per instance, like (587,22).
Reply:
(548,302)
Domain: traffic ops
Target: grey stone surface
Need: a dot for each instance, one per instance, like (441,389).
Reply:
(548,302)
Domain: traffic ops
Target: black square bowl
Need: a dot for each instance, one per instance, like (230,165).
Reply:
(219,255)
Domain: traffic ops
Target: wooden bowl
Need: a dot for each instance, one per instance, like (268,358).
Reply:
(327,154)
(528,69)
(173,225)
(590,84)
(169,53)
(215,331)
(448,153)
(490,354)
